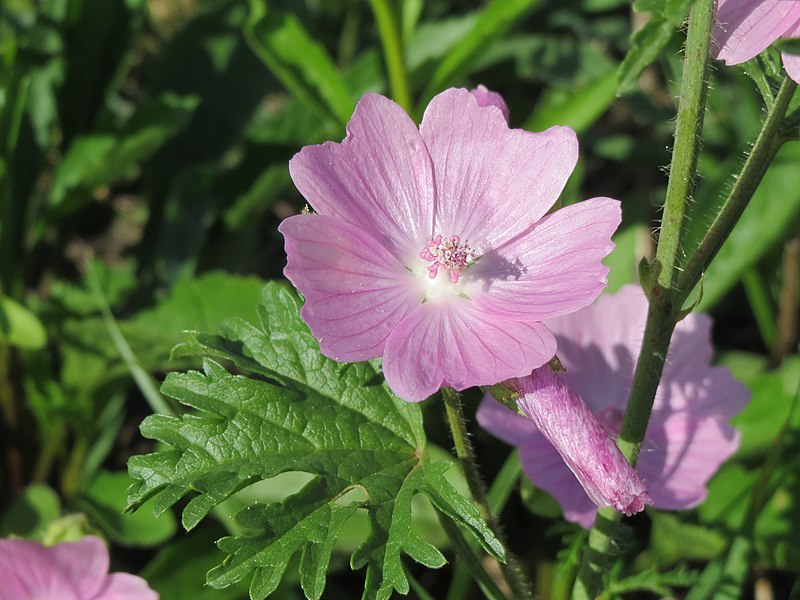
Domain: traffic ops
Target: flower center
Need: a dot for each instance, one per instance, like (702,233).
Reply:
(450,254)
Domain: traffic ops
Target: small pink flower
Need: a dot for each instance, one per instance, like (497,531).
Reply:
(688,437)
(432,247)
(745,28)
(68,571)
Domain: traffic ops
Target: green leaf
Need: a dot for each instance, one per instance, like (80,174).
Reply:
(19,326)
(492,23)
(673,540)
(654,582)
(173,573)
(768,409)
(297,411)
(648,42)
(624,259)
(103,158)
(31,513)
(578,109)
(104,503)
(203,303)
(301,64)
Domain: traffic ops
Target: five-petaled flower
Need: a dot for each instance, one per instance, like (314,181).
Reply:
(68,571)
(688,436)
(432,247)
(745,28)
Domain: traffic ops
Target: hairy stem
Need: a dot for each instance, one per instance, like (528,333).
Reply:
(663,310)
(393,52)
(764,150)
(513,575)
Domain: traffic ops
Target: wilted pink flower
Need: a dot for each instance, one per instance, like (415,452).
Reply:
(688,437)
(430,247)
(582,441)
(68,571)
(745,28)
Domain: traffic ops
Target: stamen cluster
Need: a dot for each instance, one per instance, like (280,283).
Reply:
(448,253)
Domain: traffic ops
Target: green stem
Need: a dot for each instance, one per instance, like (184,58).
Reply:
(766,147)
(393,52)
(513,575)
(689,125)
(498,495)
(663,310)
(469,555)
(52,445)
(761,304)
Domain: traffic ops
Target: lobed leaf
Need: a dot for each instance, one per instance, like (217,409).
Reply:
(296,410)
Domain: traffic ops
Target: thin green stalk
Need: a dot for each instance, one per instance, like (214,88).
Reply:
(418,588)
(470,556)
(144,381)
(766,147)
(455,417)
(761,304)
(689,125)
(52,444)
(498,495)
(393,52)
(663,310)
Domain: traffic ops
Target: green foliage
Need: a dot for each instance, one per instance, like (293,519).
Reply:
(301,64)
(104,502)
(31,513)
(491,24)
(649,42)
(103,158)
(764,223)
(19,326)
(297,411)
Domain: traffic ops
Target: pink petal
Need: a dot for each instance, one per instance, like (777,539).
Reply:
(586,447)
(122,586)
(28,571)
(451,342)
(503,423)
(379,178)
(680,455)
(545,467)
(355,290)
(84,561)
(791,62)
(745,28)
(554,268)
(486,97)
(601,343)
(690,382)
(492,182)
(540,461)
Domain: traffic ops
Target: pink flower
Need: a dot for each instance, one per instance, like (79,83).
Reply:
(688,437)
(432,248)
(581,439)
(68,571)
(745,28)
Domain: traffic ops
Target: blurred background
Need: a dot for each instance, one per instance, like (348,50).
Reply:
(143,172)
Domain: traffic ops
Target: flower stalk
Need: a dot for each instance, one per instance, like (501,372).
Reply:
(664,306)
(512,574)
(767,144)
(669,285)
